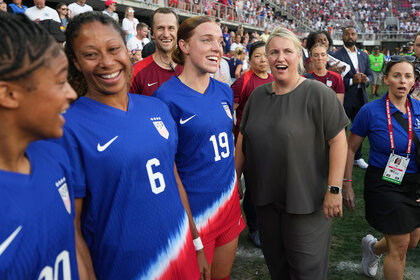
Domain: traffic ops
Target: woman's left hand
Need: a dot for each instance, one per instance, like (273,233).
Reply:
(333,205)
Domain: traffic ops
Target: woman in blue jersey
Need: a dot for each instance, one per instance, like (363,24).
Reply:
(36,201)
(391,190)
(202,109)
(122,147)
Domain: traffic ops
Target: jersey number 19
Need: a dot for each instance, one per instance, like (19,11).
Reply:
(223,143)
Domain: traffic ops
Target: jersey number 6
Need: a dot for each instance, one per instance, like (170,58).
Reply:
(153,176)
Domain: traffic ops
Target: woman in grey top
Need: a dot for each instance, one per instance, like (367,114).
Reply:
(292,147)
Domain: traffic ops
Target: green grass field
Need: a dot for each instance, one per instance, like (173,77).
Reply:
(346,252)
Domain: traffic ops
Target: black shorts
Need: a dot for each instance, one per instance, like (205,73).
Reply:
(392,208)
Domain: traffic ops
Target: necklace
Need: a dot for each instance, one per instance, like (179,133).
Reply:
(295,86)
(167,65)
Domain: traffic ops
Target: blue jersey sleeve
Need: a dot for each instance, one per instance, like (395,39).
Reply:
(77,176)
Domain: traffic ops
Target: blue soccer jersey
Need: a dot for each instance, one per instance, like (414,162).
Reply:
(36,218)
(133,220)
(205,153)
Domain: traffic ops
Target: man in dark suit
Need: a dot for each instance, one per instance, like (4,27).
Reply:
(355,81)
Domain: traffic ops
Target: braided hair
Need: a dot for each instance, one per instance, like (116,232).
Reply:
(76,78)
(23,45)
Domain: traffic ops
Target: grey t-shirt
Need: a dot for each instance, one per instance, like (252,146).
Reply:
(285,143)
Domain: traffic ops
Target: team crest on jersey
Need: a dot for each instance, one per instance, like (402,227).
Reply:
(227,109)
(160,127)
(64,193)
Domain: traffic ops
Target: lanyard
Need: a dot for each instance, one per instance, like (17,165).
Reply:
(410,125)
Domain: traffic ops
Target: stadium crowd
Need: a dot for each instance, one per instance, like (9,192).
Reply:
(118,137)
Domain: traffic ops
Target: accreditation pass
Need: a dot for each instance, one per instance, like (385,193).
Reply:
(395,169)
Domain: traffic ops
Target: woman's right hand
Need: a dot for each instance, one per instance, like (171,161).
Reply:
(205,273)
(348,196)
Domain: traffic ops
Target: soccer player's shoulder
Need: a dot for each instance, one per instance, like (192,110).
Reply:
(148,103)
(334,74)
(221,87)
(168,89)
(49,151)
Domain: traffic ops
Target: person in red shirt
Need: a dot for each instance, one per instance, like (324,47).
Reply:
(319,57)
(156,69)
(242,89)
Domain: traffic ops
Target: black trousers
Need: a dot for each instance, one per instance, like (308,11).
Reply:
(249,210)
(294,246)
(351,114)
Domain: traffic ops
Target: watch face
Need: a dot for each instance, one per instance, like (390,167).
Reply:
(334,190)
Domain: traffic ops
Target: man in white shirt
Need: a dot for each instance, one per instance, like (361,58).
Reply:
(140,40)
(79,7)
(110,8)
(41,12)
(355,81)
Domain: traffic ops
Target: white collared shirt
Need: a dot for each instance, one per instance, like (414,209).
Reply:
(354,61)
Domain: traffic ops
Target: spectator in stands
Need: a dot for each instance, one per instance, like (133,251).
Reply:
(41,12)
(305,51)
(295,182)
(236,63)
(140,40)
(392,199)
(320,73)
(63,12)
(377,64)
(242,90)
(223,73)
(129,23)
(415,91)
(3,7)
(235,44)
(110,8)
(265,35)
(174,4)
(410,49)
(226,39)
(16,7)
(135,56)
(79,7)
(55,29)
(355,81)
(156,69)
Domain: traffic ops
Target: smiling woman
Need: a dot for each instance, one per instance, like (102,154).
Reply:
(36,198)
(122,147)
(202,108)
(292,146)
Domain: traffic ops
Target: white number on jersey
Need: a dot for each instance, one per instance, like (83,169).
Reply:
(223,143)
(153,176)
(48,273)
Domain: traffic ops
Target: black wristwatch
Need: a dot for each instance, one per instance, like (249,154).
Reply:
(334,189)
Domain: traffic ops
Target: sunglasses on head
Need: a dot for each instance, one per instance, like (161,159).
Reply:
(398,58)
